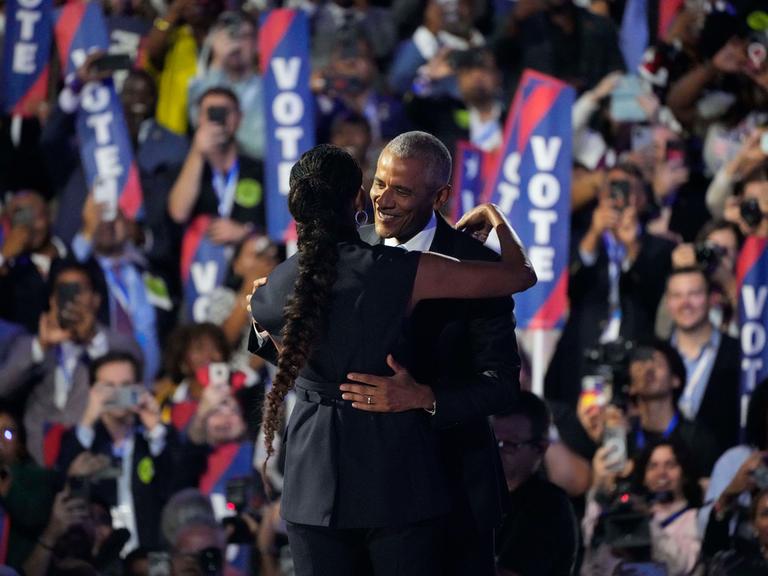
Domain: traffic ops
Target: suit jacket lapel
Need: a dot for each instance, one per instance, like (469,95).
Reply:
(442,243)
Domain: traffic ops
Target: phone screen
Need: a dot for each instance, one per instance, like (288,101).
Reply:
(675,152)
(112,63)
(615,440)
(218,114)
(66,292)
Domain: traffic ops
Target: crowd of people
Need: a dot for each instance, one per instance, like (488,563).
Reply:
(140,434)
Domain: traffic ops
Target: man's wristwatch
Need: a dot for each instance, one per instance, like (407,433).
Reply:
(433,410)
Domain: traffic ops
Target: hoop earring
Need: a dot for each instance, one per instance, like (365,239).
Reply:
(361,217)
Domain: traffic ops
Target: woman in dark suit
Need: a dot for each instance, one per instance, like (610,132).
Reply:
(360,488)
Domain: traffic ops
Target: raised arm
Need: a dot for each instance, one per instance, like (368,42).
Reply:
(442,277)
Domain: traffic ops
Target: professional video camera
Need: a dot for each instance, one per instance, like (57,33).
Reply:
(708,256)
(609,363)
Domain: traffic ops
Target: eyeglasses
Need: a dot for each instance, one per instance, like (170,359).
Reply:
(511,447)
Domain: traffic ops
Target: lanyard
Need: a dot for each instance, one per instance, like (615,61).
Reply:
(695,380)
(224,186)
(118,287)
(640,440)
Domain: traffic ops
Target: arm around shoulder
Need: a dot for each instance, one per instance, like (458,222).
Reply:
(442,277)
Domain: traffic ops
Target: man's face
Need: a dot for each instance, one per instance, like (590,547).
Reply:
(401,197)
(758,189)
(30,210)
(478,86)
(138,99)
(355,62)
(232,121)
(520,452)
(114,376)
(109,238)
(354,138)
(688,301)
(651,378)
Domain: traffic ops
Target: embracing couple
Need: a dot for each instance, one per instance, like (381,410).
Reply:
(398,341)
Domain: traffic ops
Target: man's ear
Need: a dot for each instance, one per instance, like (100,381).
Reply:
(441,197)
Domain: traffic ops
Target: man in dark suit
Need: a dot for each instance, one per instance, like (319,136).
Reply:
(27,253)
(616,281)
(159,155)
(710,395)
(126,431)
(48,371)
(466,366)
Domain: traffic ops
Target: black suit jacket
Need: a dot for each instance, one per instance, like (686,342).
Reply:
(467,352)
(150,491)
(641,288)
(720,406)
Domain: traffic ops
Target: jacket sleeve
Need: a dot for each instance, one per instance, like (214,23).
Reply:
(494,384)
(18,365)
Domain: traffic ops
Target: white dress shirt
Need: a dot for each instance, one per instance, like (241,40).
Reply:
(421,242)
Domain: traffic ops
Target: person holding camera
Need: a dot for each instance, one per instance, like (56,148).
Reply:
(616,281)
(51,367)
(751,560)
(217,180)
(349,83)
(648,518)
(558,38)
(753,205)
(737,475)
(27,253)
(715,251)
(229,57)
(422,63)
(122,424)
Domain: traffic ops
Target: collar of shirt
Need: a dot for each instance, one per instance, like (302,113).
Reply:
(181,394)
(43,261)
(486,134)
(713,342)
(419,243)
(144,129)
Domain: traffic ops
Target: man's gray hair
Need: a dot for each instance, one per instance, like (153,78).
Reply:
(433,153)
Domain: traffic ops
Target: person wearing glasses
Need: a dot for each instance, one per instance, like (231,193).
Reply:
(539,533)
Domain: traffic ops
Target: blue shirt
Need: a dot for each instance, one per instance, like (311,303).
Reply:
(697,370)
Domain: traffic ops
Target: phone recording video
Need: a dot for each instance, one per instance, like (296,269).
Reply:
(112,63)
(124,397)
(66,294)
(618,192)
(24,216)
(218,114)
(675,152)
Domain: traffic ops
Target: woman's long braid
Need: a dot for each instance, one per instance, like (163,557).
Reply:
(315,206)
